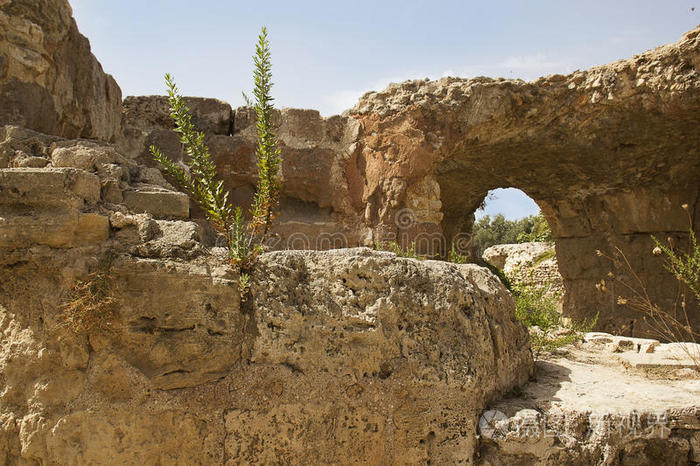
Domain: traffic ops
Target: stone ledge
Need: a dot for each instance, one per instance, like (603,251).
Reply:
(54,229)
(48,187)
(158,203)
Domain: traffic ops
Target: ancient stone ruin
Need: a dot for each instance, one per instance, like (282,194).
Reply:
(337,353)
(413,163)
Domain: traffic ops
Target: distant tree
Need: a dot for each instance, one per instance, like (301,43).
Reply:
(539,231)
(490,231)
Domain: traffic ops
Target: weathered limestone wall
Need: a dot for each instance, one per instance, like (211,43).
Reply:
(609,154)
(332,357)
(318,208)
(49,80)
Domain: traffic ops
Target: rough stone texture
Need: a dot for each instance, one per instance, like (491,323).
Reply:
(336,357)
(586,408)
(344,356)
(49,79)
(528,264)
(317,209)
(146,121)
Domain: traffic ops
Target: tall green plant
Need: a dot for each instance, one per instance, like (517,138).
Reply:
(198,178)
(267,155)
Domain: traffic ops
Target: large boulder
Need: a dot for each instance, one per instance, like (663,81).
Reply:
(49,80)
(333,357)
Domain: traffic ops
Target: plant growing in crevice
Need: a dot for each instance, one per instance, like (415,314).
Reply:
(244,285)
(455,257)
(393,246)
(198,177)
(91,305)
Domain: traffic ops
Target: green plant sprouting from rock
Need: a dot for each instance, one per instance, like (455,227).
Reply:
(267,155)
(199,178)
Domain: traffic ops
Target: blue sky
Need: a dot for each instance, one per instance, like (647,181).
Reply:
(326,54)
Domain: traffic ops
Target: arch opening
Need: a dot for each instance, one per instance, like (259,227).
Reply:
(508,216)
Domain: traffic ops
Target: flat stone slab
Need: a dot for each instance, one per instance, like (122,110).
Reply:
(586,406)
(48,187)
(158,203)
(57,229)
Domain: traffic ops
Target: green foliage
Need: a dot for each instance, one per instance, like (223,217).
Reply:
(539,231)
(268,157)
(397,249)
(534,307)
(199,178)
(489,231)
(455,257)
(243,285)
(248,101)
(499,273)
(549,254)
(538,310)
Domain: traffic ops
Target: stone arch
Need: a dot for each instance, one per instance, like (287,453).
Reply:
(609,154)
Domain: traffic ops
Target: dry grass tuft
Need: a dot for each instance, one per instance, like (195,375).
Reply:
(91,306)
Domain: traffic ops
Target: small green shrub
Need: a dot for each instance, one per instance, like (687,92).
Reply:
(538,231)
(244,285)
(397,249)
(455,257)
(538,310)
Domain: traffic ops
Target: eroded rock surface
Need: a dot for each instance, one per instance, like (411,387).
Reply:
(318,210)
(530,264)
(610,155)
(49,80)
